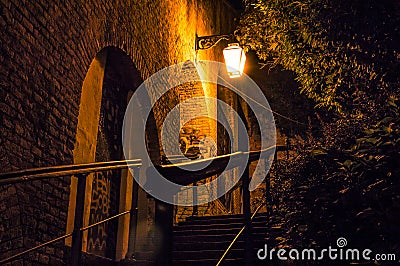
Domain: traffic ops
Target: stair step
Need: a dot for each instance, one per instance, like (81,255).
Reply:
(221,219)
(206,254)
(207,262)
(220,245)
(195,231)
(136,263)
(190,242)
(237,222)
(240,215)
(226,225)
(212,221)
(144,255)
(89,259)
(203,240)
(216,216)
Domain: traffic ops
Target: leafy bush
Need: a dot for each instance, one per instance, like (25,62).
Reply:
(345,178)
(325,193)
(378,151)
(342,52)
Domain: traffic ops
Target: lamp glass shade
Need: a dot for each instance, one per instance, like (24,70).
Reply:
(235,59)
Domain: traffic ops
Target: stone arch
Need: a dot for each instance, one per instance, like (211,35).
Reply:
(112,77)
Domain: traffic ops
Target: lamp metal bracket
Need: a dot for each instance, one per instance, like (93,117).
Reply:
(206,42)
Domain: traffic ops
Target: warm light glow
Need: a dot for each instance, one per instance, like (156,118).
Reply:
(234,60)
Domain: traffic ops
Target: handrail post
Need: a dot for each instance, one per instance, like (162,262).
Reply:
(133,216)
(78,221)
(195,207)
(247,215)
(287,148)
(164,222)
(268,197)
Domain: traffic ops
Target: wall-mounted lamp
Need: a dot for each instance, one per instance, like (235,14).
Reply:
(234,55)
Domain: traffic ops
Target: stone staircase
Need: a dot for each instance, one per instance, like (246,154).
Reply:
(202,240)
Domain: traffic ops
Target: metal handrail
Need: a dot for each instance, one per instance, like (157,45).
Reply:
(239,233)
(64,170)
(215,166)
(64,236)
(209,166)
(35,248)
(81,171)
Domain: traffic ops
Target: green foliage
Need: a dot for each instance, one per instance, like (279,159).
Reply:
(345,179)
(339,49)
(377,152)
(326,192)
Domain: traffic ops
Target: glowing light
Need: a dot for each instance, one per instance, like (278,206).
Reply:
(235,59)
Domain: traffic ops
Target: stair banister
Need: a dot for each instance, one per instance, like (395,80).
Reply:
(81,171)
(238,234)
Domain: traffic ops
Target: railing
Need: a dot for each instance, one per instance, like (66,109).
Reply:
(81,171)
(173,172)
(195,211)
(245,226)
(215,166)
(248,217)
(211,166)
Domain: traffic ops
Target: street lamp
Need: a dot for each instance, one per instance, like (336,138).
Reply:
(234,59)
(234,55)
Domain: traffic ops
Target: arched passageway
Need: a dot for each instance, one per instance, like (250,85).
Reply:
(110,81)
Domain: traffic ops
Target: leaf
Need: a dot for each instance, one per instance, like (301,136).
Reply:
(318,152)
(385,120)
(372,140)
(392,102)
(387,130)
(348,164)
(388,143)
(365,213)
(360,140)
(369,131)
(273,46)
(303,187)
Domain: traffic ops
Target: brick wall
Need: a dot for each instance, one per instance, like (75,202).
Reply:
(46,49)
